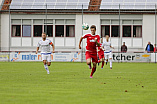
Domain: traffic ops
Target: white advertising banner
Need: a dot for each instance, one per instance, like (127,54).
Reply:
(69,57)
(76,57)
(131,57)
(4,56)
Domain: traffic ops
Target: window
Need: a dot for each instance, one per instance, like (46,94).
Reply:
(105,30)
(16,30)
(70,31)
(37,30)
(115,31)
(26,30)
(59,30)
(137,31)
(49,30)
(126,31)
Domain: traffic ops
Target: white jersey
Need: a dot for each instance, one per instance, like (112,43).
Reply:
(45,46)
(107,46)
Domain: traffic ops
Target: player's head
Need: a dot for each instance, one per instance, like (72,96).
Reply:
(123,43)
(107,37)
(44,35)
(93,29)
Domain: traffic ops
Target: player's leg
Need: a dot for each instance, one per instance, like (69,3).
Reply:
(93,69)
(110,58)
(48,62)
(88,59)
(99,60)
(49,59)
(102,62)
(44,61)
(106,58)
(94,61)
(44,58)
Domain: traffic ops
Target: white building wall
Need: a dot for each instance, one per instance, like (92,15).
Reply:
(148,29)
(4,32)
(148,32)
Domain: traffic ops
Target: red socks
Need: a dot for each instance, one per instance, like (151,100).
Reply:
(93,70)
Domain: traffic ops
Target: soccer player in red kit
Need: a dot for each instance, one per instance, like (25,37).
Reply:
(91,51)
(101,54)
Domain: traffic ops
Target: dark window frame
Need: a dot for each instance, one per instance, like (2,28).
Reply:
(12,30)
(141,31)
(123,29)
(118,31)
(41,30)
(52,30)
(63,32)
(66,28)
(109,30)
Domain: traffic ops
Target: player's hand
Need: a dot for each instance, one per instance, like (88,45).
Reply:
(36,52)
(53,51)
(79,47)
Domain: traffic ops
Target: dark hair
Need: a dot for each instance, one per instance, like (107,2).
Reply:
(93,26)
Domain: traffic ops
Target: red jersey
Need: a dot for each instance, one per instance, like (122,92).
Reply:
(91,44)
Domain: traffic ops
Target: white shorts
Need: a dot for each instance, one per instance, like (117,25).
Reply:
(46,57)
(108,55)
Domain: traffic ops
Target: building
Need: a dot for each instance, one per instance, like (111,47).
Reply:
(22,25)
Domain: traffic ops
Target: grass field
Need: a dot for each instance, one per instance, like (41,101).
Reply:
(69,83)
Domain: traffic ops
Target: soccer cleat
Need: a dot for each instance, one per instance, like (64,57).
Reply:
(101,67)
(48,72)
(91,76)
(110,67)
(89,66)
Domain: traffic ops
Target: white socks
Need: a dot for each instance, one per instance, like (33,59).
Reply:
(46,67)
(110,63)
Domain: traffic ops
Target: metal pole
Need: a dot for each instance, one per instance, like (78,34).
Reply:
(119,33)
(155,33)
(9,34)
(46,20)
(82,34)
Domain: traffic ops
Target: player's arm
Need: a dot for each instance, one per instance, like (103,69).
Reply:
(37,50)
(80,42)
(97,41)
(53,47)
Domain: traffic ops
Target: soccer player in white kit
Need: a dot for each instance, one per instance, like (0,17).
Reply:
(45,51)
(106,46)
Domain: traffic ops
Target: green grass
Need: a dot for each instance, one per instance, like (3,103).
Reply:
(69,83)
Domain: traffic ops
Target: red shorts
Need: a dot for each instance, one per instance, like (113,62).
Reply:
(101,54)
(92,55)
